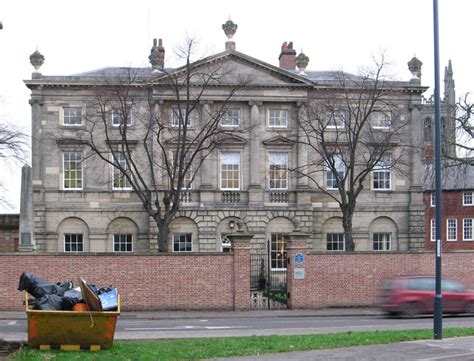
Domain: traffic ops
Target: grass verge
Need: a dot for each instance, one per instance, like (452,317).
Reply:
(202,348)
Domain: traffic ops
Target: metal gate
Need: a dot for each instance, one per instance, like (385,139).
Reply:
(268,289)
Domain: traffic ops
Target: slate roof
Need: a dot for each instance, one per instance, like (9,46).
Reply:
(453,177)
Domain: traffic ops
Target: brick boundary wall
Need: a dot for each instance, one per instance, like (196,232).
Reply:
(148,282)
(221,281)
(355,279)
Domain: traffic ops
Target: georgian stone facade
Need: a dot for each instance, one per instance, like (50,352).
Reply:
(88,216)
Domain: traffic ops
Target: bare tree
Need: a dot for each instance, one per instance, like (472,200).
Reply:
(13,145)
(156,132)
(352,131)
(464,114)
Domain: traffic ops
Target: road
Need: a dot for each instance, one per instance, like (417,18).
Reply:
(138,328)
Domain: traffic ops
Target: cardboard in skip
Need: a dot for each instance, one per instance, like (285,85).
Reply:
(109,300)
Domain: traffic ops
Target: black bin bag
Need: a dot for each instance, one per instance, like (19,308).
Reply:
(38,287)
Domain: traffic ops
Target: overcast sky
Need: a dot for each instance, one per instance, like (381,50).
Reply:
(76,36)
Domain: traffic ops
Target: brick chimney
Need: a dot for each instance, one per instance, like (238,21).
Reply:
(157,55)
(287,56)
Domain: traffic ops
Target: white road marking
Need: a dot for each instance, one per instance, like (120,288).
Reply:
(11,323)
(447,357)
(183,328)
(203,320)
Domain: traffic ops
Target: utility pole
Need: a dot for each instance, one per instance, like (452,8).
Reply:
(438,300)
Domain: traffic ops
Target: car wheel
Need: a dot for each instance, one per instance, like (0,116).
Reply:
(469,308)
(410,309)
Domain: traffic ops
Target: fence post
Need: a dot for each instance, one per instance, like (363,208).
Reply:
(296,253)
(240,241)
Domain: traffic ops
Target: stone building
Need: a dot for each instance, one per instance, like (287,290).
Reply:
(81,206)
(9,232)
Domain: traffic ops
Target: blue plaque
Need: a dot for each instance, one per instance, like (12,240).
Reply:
(299,258)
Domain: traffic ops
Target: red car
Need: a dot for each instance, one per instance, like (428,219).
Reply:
(413,295)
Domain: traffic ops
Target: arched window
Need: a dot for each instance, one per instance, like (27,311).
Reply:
(428,130)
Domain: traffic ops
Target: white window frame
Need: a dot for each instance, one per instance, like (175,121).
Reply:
(336,119)
(433,230)
(278,254)
(381,169)
(382,241)
(179,241)
(233,159)
(74,242)
(174,117)
(381,120)
(276,155)
(116,119)
(330,177)
(69,108)
(467,224)
(230,120)
(66,168)
(337,242)
(120,240)
(278,118)
(432,199)
(468,198)
(120,158)
(451,229)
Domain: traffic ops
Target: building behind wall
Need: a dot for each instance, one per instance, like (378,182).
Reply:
(9,225)
(77,208)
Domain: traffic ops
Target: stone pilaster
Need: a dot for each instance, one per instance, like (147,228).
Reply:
(255,186)
(36,147)
(241,248)
(27,239)
(297,244)
(208,173)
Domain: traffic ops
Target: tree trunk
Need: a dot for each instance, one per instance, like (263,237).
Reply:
(163,229)
(347,225)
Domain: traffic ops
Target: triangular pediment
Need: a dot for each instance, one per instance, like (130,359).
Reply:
(231,140)
(231,68)
(279,141)
(177,140)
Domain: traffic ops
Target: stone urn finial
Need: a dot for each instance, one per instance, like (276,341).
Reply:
(302,62)
(37,59)
(414,65)
(229,29)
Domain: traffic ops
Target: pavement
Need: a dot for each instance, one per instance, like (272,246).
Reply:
(461,348)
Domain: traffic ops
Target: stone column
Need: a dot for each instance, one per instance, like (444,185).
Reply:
(255,186)
(296,249)
(241,248)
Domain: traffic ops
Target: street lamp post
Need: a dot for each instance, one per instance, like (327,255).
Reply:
(438,300)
